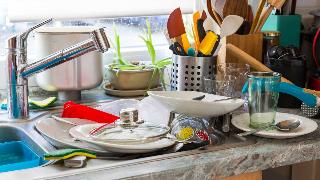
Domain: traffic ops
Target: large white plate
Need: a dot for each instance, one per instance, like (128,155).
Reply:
(58,134)
(307,126)
(181,102)
(82,133)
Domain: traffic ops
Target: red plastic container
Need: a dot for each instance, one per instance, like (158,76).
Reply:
(73,110)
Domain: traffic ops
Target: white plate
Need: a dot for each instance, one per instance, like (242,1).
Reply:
(126,93)
(306,126)
(58,134)
(181,102)
(82,133)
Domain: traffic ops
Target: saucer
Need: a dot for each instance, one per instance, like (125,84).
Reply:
(306,126)
(109,90)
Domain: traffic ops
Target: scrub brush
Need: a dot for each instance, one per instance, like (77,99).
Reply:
(43,103)
(68,153)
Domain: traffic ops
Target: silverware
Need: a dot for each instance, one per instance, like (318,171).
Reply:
(63,120)
(229,98)
(286,125)
(199,98)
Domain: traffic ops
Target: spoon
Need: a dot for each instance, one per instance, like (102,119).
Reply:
(286,125)
(229,26)
(199,98)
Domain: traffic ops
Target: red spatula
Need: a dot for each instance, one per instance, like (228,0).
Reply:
(176,29)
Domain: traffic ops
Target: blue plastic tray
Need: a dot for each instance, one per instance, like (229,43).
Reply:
(17,155)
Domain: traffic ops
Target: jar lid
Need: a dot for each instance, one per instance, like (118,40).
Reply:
(132,134)
(271,33)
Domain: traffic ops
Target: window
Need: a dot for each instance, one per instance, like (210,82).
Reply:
(129,20)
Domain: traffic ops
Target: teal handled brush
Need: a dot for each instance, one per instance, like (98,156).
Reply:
(68,153)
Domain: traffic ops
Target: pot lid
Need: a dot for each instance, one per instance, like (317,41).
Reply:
(131,133)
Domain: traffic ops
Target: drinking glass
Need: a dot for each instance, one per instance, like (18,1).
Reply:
(222,86)
(263,98)
(237,70)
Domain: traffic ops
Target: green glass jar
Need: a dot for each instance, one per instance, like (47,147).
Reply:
(263,98)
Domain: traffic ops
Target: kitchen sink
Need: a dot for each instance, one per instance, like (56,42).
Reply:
(40,143)
(25,133)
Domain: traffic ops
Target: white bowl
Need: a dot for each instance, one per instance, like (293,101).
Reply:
(181,102)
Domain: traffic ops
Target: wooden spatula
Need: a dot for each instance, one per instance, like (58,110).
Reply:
(277,4)
(257,16)
(235,7)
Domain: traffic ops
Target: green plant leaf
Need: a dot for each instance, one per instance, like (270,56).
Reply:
(117,47)
(164,62)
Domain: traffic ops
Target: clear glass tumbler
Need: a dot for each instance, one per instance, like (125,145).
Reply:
(237,70)
(263,98)
(222,87)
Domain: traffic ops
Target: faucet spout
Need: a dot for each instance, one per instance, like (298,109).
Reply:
(19,70)
(98,42)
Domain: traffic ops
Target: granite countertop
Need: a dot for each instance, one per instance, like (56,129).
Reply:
(264,154)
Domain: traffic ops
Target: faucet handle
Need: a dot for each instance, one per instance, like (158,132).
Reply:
(26,33)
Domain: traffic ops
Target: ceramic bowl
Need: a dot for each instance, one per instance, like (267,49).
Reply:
(181,102)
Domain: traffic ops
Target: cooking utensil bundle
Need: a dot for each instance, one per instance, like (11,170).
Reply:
(206,41)
(220,9)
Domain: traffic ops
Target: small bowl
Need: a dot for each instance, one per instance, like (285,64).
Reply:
(133,79)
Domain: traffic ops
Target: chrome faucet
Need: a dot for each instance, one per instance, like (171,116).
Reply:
(19,70)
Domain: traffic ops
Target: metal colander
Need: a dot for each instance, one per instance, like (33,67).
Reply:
(187,72)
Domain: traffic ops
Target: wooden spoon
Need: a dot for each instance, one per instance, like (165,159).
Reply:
(273,4)
(236,7)
(257,16)
(213,13)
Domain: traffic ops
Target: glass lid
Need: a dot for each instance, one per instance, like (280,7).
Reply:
(134,134)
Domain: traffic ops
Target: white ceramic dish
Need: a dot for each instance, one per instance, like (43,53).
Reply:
(57,133)
(307,126)
(82,133)
(109,90)
(181,102)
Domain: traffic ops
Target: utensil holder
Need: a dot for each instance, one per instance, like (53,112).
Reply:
(187,72)
(250,43)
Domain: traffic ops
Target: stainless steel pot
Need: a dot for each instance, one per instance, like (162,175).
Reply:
(71,77)
(133,79)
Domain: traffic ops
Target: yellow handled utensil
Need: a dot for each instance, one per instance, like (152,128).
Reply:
(209,43)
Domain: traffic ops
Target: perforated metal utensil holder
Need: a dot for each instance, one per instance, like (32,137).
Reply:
(187,72)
